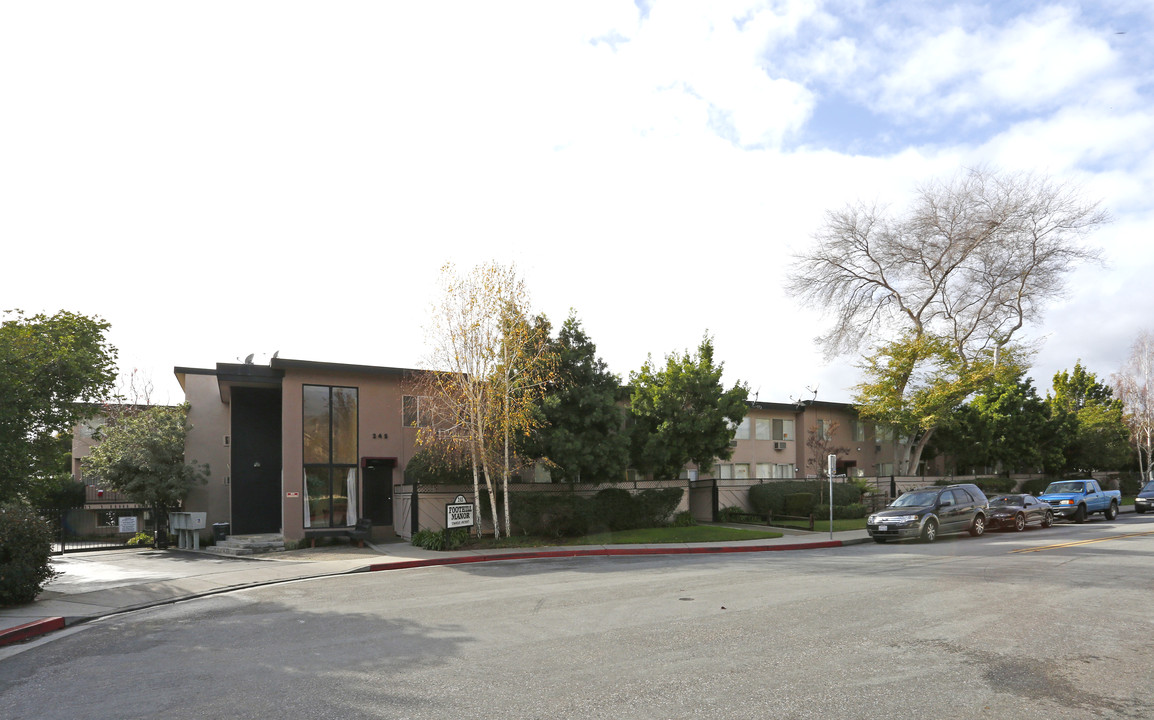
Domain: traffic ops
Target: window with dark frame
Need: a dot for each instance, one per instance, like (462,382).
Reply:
(330,426)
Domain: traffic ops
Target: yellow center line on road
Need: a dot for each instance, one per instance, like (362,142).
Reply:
(1081,542)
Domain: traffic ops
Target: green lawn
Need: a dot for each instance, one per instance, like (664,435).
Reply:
(822,525)
(644,536)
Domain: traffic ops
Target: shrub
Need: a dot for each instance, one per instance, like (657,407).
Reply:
(727,514)
(1035,486)
(440,540)
(799,504)
(995,485)
(654,506)
(565,514)
(770,497)
(551,514)
(142,539)
(683,519)
(25,549)
(1130,485)
(841,512)
(613,508)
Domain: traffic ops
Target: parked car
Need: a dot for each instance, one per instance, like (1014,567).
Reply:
(1145,499)
(928,512)
(1018,511)
(1078,499)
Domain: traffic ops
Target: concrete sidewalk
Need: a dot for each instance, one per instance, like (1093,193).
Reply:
(97,584)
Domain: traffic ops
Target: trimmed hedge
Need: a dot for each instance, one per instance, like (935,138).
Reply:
(841,512)
(996,485)
(549,514)
(25,549)
(771,497)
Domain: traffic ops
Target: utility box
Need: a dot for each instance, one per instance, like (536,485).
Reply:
(187,526)
(220,531)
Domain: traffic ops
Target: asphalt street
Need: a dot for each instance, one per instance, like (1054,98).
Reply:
(1046,623)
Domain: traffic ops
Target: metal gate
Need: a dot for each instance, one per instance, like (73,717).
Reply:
(80,530)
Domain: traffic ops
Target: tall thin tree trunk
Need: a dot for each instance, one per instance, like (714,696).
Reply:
(476,490)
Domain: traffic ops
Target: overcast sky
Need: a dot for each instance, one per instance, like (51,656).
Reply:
(223,178)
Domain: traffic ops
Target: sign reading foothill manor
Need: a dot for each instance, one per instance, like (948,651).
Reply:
(459,513)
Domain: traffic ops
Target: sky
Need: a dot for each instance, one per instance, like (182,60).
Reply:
(219,179)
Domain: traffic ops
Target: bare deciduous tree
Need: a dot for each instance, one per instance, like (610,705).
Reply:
(971,262)
(1134,386)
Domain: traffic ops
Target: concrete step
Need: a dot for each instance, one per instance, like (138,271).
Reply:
(248,544)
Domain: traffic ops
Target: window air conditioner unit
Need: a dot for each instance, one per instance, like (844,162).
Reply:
(779,445)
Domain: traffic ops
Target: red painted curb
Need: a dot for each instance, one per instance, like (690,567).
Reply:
(433,562)
(30,630)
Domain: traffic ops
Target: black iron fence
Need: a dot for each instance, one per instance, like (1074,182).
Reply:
(80,530)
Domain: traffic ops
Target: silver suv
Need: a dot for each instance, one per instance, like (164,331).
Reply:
(928,512)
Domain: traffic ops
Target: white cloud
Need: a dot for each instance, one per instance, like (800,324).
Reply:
(253,177)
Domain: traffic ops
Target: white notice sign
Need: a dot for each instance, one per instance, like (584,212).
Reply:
(459,513)
(127,524)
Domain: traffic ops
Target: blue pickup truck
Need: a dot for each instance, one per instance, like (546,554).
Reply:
(1078,499)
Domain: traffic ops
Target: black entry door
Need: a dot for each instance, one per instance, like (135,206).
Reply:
(378,479)
(256,455)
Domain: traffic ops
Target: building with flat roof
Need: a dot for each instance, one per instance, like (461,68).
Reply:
(305,449)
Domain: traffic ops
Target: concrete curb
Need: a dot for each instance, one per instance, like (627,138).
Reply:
(27,631)
(37,628)
(702,550)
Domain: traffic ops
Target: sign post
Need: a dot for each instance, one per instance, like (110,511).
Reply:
(832,469)
(458,514)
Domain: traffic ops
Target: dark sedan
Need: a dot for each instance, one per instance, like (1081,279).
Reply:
(1018,511)
(1145,499)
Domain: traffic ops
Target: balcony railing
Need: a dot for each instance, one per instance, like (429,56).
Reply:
(94,495)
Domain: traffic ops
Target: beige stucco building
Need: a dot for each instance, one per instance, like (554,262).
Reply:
(303,448)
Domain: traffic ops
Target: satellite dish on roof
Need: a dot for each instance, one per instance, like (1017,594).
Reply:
(276,354)
(248,360)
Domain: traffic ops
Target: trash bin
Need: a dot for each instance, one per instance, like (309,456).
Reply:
(220,531)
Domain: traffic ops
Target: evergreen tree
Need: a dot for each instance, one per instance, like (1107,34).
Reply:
(580,430)
(681,413)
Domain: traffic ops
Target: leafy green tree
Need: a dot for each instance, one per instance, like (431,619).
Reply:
(1089,422)
(939,291)
(49,366)
(682,413)
(1004,427)
(141,454)
(580,432)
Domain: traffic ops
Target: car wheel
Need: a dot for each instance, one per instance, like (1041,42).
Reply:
(1048,519)
(1019,522)
(1080,514)
(880,540)
(930,531)
(979,525)
(1139,510)
(1112,511)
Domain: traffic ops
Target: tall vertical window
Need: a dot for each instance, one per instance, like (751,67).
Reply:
(823,430)
(762,429)
(783,429)
(742,430)
(858,429)
(330,455)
